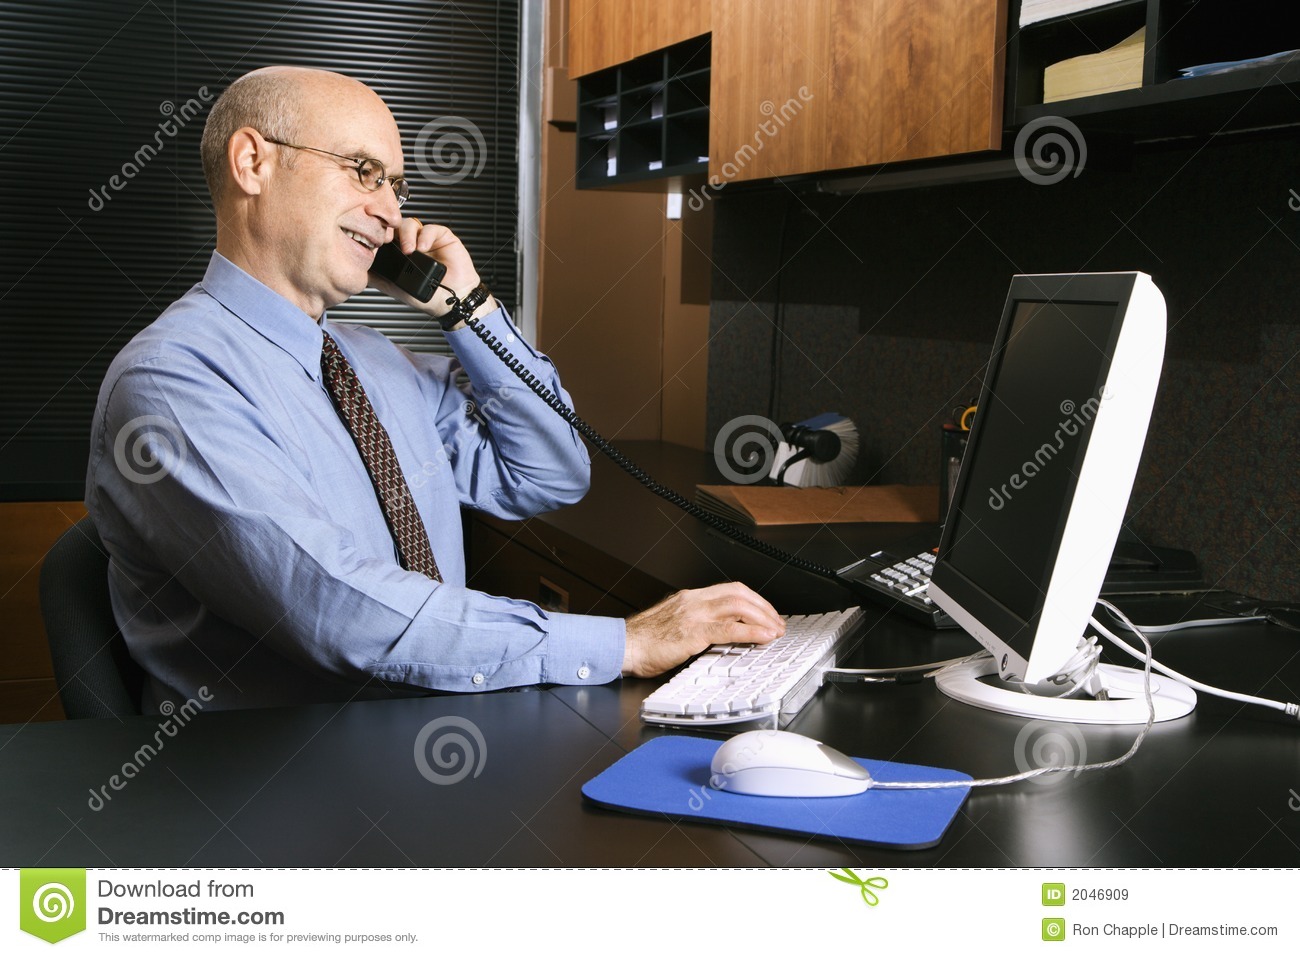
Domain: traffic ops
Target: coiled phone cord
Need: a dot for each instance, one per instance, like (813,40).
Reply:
(632,469)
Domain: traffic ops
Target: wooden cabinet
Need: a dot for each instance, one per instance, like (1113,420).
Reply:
(833,84)
(794,87)
(814,86)
(604,33)
(500,564)
(28,691)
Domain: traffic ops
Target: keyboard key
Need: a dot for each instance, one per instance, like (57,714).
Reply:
(731,683)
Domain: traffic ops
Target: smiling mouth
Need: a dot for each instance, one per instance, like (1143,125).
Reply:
(358,238)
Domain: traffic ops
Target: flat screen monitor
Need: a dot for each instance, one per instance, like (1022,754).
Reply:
(1048,470)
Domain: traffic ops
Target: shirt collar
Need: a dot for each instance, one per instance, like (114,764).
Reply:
(266,312)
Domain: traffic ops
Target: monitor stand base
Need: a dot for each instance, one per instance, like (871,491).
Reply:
(1127,703)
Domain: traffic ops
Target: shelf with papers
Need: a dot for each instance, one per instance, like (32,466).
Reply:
(1179,34)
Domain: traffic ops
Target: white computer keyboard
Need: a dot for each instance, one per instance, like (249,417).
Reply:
(734,683)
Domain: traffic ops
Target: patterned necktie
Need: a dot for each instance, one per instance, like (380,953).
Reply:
(377,453)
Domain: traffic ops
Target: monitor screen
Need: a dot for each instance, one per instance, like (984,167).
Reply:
(1050,464)
(1043,393)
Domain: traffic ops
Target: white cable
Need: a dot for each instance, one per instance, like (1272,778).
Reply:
(1089,649)
(1197,623)
(932,668)
(1081,669)
(1288,708)
(1053,769)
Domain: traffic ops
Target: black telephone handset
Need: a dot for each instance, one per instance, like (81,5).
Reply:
(413,273)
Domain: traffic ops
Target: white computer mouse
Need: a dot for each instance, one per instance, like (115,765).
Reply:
(783,764)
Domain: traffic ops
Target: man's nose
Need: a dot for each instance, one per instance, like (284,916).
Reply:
(383,205)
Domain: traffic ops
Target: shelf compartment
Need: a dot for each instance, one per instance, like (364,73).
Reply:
(1213,31)
(688,92)
(1042,44)
(641,72)
(598,118)
(641,104)
(647,119)
(691,56)
(687,138)
(640,146)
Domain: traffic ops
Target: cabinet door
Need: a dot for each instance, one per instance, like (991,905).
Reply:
(603,33)
(833,84)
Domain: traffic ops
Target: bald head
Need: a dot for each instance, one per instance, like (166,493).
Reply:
(280,102)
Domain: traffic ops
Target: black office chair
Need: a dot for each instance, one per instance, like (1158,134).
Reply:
(96,675)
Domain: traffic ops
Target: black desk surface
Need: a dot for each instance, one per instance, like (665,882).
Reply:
(339,785)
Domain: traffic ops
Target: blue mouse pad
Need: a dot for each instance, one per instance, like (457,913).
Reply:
(670,775)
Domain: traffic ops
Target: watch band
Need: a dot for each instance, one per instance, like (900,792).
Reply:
(463,309)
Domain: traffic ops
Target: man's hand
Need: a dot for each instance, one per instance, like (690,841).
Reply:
(686,623)
(443,245)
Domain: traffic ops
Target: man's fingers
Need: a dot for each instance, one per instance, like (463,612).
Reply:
(408,231)
(747,608)
(739,633)
(413,235)
(435,237)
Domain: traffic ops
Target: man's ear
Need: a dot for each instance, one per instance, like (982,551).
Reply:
(249,161)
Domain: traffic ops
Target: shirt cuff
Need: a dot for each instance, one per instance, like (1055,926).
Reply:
(583,649)
(482,365)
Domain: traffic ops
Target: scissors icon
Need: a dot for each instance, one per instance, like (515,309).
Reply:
(868,894)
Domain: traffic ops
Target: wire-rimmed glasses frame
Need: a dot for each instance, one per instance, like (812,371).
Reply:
(371,173)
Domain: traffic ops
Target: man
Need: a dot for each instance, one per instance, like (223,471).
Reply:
(299,536)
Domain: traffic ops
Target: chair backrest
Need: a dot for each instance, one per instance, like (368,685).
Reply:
(96,675)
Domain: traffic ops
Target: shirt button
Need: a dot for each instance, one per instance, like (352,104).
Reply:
(510,337)
(584,673)
(478,679)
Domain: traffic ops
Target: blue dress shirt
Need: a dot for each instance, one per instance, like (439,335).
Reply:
(248,550)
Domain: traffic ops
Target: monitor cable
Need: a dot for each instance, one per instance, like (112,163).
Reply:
(907,674)
(1290,709)
(1051,768)
(1083,676)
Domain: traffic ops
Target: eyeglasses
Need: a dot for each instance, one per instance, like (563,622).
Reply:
(370,171)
